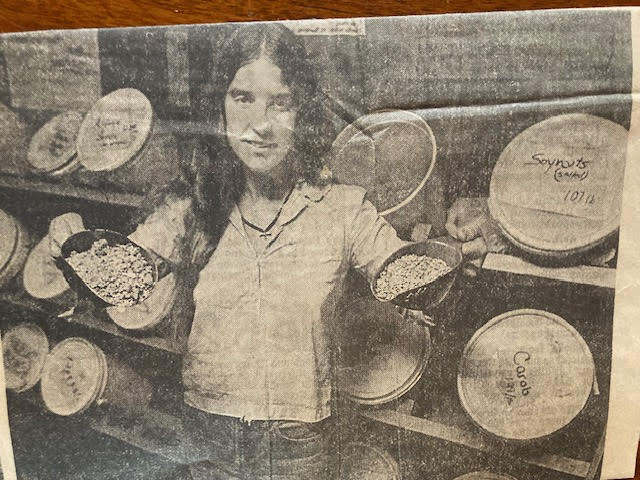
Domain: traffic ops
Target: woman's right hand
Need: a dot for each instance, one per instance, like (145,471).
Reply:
(61,228)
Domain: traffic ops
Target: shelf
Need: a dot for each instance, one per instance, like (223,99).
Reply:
(146,433)
(106,326)
(70,191)
(85,319)
(584,274)
(474,440)
(154,431)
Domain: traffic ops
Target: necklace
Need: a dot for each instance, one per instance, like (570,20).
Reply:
(266,231)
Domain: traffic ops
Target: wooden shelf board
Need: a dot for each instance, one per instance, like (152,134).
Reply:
(94,323)
(475,440)
(70,191)
(180,453)
(131,434)
(87,320)
(583,274)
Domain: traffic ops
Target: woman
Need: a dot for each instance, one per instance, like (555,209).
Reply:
(270,240)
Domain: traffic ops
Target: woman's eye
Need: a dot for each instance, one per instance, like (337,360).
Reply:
(282,104)
(241,97)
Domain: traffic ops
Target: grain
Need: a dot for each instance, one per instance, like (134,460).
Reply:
(119,274)
(407,273)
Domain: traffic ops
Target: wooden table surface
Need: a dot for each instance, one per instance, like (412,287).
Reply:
(23,15)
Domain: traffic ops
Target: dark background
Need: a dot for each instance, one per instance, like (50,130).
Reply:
(16,15)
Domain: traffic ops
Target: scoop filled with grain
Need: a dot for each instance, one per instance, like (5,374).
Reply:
(418,276)
(109,266)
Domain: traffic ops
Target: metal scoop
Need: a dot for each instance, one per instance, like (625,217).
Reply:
(82,242)
(432,294)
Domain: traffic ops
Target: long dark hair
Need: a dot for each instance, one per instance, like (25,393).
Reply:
(211,176)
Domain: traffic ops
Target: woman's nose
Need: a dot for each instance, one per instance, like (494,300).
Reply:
(261,119)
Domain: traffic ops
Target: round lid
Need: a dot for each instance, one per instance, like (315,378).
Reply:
(8,231)
(149,312)
(525,374)
(391,154)
(24,350)
(53,147)
(382,355)
(41,277)
(115,130)
(73,376)
(483,476)
(359,460)
(557,186)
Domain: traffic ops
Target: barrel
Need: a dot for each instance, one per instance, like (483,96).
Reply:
(120,146)
(484,476)
(556,189)
(42,279)
(525,374)
(392,154)
(381,354)
(14,247)
(151,312)
(24,350)
(363,461)
(52,150)
(78,375)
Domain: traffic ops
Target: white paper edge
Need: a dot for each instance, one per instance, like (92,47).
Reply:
(623,427)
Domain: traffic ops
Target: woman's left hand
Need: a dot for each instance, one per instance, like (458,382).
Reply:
(465,220)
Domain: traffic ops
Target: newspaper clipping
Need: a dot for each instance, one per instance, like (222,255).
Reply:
(385,248)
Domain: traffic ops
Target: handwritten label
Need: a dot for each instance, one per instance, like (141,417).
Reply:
(517,385)
(564,180)
(562,170)
(53,70)
(62,140)
(115,133)
(348,26)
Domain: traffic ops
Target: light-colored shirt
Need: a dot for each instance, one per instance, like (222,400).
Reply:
(259,346)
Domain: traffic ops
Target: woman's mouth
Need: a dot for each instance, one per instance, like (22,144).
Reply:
(261,144)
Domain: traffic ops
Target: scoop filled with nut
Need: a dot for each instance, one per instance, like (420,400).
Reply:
(418,276)
(109,267)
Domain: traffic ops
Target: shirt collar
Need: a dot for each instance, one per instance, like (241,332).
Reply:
(303,194)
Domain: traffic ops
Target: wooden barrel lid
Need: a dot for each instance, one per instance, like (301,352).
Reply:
(74,376)
(382,355)
(53,148)
(484,476)
(13,249)
(391,154)
(150,312)
(525,374)
(362,461)
(557,187)
(9,234)
(41,277)
(24,349)
(114,130)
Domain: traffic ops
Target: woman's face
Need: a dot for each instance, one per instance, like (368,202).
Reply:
(260,116)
